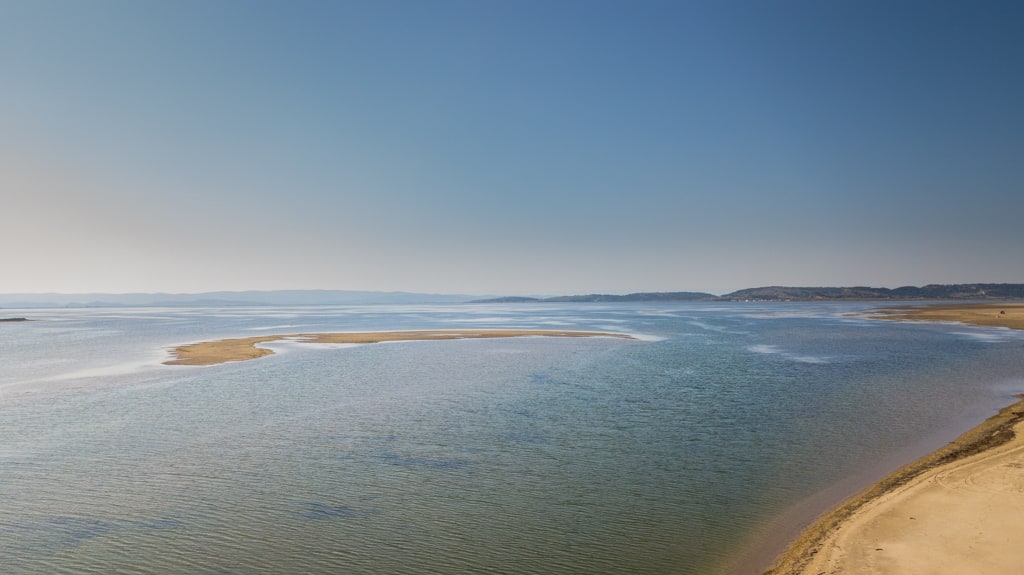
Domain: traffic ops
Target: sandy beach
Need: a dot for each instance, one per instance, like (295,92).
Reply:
(1010,315)
(958,510)
(241,349)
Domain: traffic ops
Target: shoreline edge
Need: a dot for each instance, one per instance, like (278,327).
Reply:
(806,554)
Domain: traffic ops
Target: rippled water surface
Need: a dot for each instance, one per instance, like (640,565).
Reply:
(672,453)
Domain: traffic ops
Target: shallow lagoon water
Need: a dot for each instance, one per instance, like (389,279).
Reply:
(667,454)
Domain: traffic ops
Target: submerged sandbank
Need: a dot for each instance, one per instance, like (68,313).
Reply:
(241,349)
(957,510)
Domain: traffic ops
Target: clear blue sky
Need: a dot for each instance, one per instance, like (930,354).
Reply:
(509,147)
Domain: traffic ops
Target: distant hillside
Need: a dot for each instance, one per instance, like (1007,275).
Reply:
(782,293)
(339,297)
(591,298)
(224,299)
(933,291)
(509,299)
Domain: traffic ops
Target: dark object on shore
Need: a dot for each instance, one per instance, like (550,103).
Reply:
(13,319)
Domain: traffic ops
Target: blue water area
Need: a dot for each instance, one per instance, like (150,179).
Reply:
(320,511)
(676,452)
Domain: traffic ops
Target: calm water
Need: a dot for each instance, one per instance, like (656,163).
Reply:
(670,454)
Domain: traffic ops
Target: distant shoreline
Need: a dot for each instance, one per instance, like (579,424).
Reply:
(898,522)
(242,349)
(932,292)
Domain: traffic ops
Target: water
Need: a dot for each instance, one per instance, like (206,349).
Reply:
(674,453)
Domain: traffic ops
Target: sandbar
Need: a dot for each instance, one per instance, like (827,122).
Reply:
(1009,315)
(957,510)
(241,349)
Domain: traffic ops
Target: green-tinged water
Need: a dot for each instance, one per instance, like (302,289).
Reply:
(666,454)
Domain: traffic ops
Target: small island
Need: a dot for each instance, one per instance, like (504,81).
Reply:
(241,349)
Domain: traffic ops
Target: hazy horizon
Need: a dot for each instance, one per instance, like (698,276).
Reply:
(517,148)
(327,296)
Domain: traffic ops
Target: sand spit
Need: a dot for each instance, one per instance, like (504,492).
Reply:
(1009,315)
(957,510)
(241,349)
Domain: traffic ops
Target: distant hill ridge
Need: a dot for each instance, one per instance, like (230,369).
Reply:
(336,297)
(783,293)
(224,299)
(646,296)
(932,291)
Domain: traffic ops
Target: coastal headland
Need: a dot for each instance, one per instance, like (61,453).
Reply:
(241,349)
(957,510)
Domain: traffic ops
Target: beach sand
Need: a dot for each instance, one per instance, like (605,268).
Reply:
(958,510)
(1009,315)
(241,349)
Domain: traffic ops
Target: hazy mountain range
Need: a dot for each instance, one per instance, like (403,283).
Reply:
(225,298)
(341,297)
(781,293)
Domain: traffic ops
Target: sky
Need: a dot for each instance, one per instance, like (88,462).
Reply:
(509,147)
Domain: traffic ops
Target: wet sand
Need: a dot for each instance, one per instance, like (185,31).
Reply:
(241,349)
(957,510)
